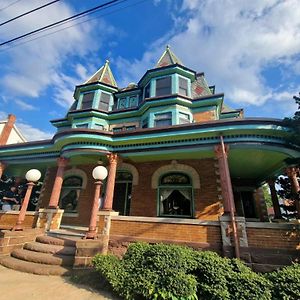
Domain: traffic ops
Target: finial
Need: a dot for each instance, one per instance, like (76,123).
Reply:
(168,47)
(107,62)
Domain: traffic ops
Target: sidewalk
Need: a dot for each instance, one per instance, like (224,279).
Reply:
(22,286)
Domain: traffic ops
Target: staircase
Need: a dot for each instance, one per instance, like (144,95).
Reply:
(48,255)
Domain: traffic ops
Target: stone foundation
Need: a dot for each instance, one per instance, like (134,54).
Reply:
(10,240)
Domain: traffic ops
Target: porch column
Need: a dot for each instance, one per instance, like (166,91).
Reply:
(2,168)
(221,152)
(7,129)
(224,184)
(292,175)
(54,199)
(274,197)
(113,160)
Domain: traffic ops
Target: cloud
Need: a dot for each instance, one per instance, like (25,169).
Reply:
(32,67)
(32,133)
(234,43)
(25,106)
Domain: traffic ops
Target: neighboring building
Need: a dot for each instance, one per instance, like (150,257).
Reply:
(9,133)
(162,141)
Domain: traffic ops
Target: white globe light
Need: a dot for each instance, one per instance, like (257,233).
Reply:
(33,175)
(99,173)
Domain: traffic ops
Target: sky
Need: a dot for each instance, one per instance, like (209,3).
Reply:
(249,49)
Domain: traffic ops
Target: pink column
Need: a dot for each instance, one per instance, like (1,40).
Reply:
(54,199)
(274,197)
(21,216)
(2,168)
(113,160)
(91,234)
(221,156)
(221,152)
(292,174)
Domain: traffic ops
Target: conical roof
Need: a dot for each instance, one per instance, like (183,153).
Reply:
(168,58)
(104,75)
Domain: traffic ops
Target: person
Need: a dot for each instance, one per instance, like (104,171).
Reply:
(9,199)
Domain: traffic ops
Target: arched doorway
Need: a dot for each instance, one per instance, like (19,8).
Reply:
(122,193)
(175,198)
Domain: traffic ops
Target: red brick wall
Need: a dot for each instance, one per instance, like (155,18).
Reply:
(209,236)
(207,205)
(8,220)
(273,238)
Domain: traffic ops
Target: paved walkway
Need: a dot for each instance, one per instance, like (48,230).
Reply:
(16,285)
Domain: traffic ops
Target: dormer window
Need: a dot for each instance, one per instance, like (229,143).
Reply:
(104,101)
(163,86)
(133,101)
(164,119)
(87,100)
(147,91)
(183,86)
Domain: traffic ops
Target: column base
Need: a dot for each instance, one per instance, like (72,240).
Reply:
(49,218)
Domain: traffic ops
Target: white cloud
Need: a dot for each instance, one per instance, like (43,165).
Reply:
(32,133)
(25,106)
(233,42)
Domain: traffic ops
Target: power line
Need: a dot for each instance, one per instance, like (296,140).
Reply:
(78,23)
(29,12)
(89,11)
(9,5)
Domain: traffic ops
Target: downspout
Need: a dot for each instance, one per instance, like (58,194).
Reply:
(231,201)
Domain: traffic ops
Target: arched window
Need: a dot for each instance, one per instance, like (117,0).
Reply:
(122,192)
(70,193)
(175,195)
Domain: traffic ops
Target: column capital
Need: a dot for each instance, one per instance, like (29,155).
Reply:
(62,162)
(112,158)
(219,150)
(291,171)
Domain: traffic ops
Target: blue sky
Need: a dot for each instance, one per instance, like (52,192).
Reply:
(249,49)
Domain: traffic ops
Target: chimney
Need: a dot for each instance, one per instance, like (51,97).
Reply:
(4,135)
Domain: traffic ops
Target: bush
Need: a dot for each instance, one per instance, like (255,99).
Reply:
(221,279)
(151,271)
(286,283)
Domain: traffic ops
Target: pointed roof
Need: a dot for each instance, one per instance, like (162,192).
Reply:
(104,75)
(168,58)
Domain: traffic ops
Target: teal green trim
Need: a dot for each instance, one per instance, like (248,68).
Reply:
(174,84)
(152,87)
(96,99)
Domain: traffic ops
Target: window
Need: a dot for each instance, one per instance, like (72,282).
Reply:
(104,101)
(183,86)
(122,193)
(99,127)
(147,91)
(117,129)
(131,127)
(82,125)
(87,100)
(164,119)
(184,118)
(175,195)
(70,193)
(122,103)
(145,123)
(133,101)
(163,86)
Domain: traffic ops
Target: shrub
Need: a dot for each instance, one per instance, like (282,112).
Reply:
(152,271)
(221,279)
(286,283)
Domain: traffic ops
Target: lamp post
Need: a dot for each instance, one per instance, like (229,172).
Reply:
(32,176)
(99,174)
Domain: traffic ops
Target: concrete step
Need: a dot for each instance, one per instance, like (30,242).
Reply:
(46,248)
(66,234)
(43,258)
(33,268)
(44,239)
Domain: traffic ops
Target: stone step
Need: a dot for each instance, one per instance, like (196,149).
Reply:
(43,258)
(66,234)
(33,268)
(44,239)
(46,248)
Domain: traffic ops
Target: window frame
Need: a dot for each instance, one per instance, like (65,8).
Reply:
(186,94)
(158,119)
(102,102)
(161,94)
(85,102)
(188,187)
